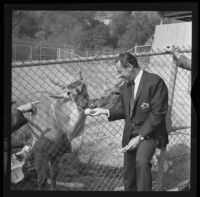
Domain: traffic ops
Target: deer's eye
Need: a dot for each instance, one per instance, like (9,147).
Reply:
(78,89)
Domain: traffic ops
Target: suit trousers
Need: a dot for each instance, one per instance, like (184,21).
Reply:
(137,167)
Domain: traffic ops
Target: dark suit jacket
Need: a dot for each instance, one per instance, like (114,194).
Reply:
(149,120)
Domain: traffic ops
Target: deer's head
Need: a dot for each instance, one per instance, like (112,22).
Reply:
(75,91)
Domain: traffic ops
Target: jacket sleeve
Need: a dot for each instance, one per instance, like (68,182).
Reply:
(17,120)
(117,112)
(158,108)
(184,61)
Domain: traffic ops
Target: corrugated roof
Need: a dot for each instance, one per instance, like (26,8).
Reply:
(179,34)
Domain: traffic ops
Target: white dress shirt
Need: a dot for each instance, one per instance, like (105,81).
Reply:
(137,82)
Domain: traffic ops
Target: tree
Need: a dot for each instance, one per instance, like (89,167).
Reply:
(85,18)
(84,28)
(24,24)
(119,23)
(141,26)
(101,36)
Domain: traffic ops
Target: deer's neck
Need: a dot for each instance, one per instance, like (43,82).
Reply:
(69,118)
(74,115)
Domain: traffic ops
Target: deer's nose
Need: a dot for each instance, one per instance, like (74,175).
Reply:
(68,93)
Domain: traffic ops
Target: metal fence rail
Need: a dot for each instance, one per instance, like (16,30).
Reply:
(95,164)
(22,51)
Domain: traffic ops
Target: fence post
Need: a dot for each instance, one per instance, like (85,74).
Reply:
(39,52)
(15,49)
(31,53)
(171,90)
(64,51)
(58,53)
(189,84)
(72,52)
(105,78)
(172,83)
(135,48)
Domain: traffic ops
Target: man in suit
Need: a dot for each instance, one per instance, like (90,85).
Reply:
(143,106)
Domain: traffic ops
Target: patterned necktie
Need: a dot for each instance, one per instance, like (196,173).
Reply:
(131,102)
(130,83)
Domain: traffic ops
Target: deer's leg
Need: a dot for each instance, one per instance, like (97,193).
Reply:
(42,166)
(53,172)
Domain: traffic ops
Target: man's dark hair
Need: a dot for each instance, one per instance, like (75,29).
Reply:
(126,58)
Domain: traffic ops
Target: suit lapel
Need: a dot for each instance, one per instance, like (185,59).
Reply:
(139,91)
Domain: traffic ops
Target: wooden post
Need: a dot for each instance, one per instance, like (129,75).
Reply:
(171,90)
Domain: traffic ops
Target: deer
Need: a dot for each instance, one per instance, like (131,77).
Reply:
(67,118)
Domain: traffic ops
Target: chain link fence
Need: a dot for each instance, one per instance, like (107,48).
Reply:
(95,162)
(22,51)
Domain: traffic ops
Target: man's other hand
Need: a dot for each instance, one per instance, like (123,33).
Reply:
(133,144)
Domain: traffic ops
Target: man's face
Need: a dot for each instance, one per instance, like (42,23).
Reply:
(124,73)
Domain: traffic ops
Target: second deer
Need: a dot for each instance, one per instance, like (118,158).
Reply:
(67,122)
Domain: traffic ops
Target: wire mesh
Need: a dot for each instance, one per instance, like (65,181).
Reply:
(92,160)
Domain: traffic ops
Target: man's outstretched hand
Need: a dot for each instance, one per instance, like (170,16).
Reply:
(96,111)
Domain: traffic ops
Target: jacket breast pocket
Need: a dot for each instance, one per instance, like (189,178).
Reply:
(142,114)
(144,107)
